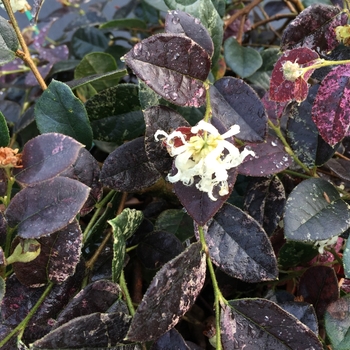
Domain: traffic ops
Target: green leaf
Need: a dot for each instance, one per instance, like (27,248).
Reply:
(26,250)
(147,96)
(124,225)
(177,222)
(314,211)
(115,114)
(244,61)
(87,40)
(158,4)
(2,288)
(133,23)
(337,322)
(205,11)
(98,63)
(4,132)
(58,110)
(8,42)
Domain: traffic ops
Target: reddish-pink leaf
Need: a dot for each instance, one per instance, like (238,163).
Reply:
(283,90)
(330,111)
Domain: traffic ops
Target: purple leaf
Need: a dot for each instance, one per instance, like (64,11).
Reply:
(240,247)
(341,167)
(179,22)
(330,111)
(170,340)
(170,295)
(314,28)
(235,102)
(59,255)
(45,157)
(174,66)
(128,168)
(41,209)
(283,90)
(264,325)
(270,158)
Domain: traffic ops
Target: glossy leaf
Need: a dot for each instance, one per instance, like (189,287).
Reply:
(45,157)
(32,209)
(4,132)
(283,90)
(171,339)
(270,158)
(319,287)
(115,114)
(337,323)
(177,222)
(240,247)
(87,171)
(178,73)
(235,102)
(58,110)
(157,248)
(340,167)
(179,22)
(244,61)
(97,296)
(93,331)
(60,253)
(263,324)
(207,13)
(314,28)
(330,110)
(166,119)
(346,259)
(128,168)
(8,42)
(265,202)
(165,302)
(315,211)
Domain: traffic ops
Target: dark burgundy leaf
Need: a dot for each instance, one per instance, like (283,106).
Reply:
(341,167)
(274,109)
(95,297)
(179,22)
(157,248)
(46,156)
(240,247)
(170,295)
(160,118)
(128,168)
(319,287)
(174,66)
(235,102)
(270,158)
(304,312)
(283,90)
(12,343)
(47,207)
(170,340)
(87,171)
(330,111)
(59,255)
(314,28)
(262,324)
(91,331)
(265,202)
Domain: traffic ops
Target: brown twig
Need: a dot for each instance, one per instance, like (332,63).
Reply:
(273,18)
(241,29)
(298,5)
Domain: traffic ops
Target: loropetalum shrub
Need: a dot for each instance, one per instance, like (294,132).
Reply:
(194,196)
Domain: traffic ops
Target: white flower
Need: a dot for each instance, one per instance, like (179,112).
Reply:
(19,5)
(325,243)
(202,151)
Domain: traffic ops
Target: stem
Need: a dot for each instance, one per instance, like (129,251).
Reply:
(25,54)
(279,134)
(207,114)
(217,293)
(125,290)
(31,313)
(324,63)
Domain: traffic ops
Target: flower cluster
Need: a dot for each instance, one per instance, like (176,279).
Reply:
(9,158)
(201,151)
(19,5)
(292,70)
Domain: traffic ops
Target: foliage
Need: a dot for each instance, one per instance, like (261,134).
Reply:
(176,179)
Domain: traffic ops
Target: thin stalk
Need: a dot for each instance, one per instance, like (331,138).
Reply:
(208,112)
(25,54)
(124,287)
(295,173)
(217,293)
(31,313)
